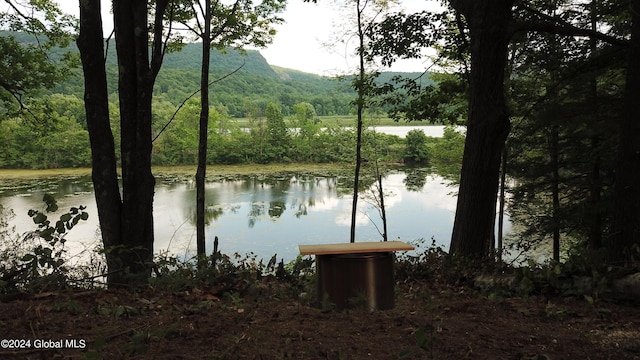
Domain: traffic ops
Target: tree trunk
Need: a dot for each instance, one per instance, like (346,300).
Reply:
(204,131)
(135,83)
(503,184)
(555,190)
(360,107)
(595,181)
(96,102)
(625,238)
(487,126)
(126,222)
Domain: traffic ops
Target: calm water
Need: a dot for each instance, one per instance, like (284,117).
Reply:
(265,215)
(401,131)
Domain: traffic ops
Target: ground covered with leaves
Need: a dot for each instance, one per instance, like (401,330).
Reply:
(272,319)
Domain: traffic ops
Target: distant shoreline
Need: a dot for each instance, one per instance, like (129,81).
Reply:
(242,169)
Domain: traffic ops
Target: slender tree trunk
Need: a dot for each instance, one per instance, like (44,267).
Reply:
(487,126)
(503,181)
(360,107)
(204,132)
(105,178)
(595,199)
(555,190)
(383,210)
(625,239)
(595,183)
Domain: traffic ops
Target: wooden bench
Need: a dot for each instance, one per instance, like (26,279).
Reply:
(353,248)
(356,274)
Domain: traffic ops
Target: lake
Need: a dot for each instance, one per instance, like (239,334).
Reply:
(263,214)
(401,131)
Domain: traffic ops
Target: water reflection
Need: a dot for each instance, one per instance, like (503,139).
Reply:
(415,178)
(268,215)
(264,214)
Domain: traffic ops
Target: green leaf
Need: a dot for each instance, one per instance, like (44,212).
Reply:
(47,234)
(52,205)
(60,227)
(39,218)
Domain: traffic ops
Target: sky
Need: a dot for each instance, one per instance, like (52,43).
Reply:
(301,41)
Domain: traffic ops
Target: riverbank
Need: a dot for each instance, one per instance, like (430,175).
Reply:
(239,169)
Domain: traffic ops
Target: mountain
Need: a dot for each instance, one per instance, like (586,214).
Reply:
(253,84)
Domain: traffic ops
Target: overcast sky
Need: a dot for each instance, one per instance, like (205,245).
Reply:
(300,42)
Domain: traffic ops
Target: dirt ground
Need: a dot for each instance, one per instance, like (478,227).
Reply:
(271,322)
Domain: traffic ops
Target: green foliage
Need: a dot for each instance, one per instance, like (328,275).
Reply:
(256,81)
(405,36)
(28,62)
(52,135)
(231,275)
(304,113)
(278,139)
(235,24)
(416,151)
(36,260)
(566,94)
(446,153)
(60,138)
(583,275)
(425,264)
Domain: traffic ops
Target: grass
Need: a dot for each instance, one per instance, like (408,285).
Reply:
(30,173)
(343,120)
(376,120)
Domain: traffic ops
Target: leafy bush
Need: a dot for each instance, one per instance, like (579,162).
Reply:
(583,275)
(416,151)
(35,261)
(223,274)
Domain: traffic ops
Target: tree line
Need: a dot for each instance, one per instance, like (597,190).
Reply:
(62,140)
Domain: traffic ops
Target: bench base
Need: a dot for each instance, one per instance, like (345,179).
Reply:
(356,280)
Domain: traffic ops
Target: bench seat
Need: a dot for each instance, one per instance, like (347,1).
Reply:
(353,248)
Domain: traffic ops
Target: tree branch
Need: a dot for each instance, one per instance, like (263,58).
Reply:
(556,25)
(192,95)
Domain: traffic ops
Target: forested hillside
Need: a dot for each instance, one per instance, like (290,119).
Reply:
(53,133)
(255,82)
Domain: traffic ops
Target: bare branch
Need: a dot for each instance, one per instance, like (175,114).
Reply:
(192,95)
